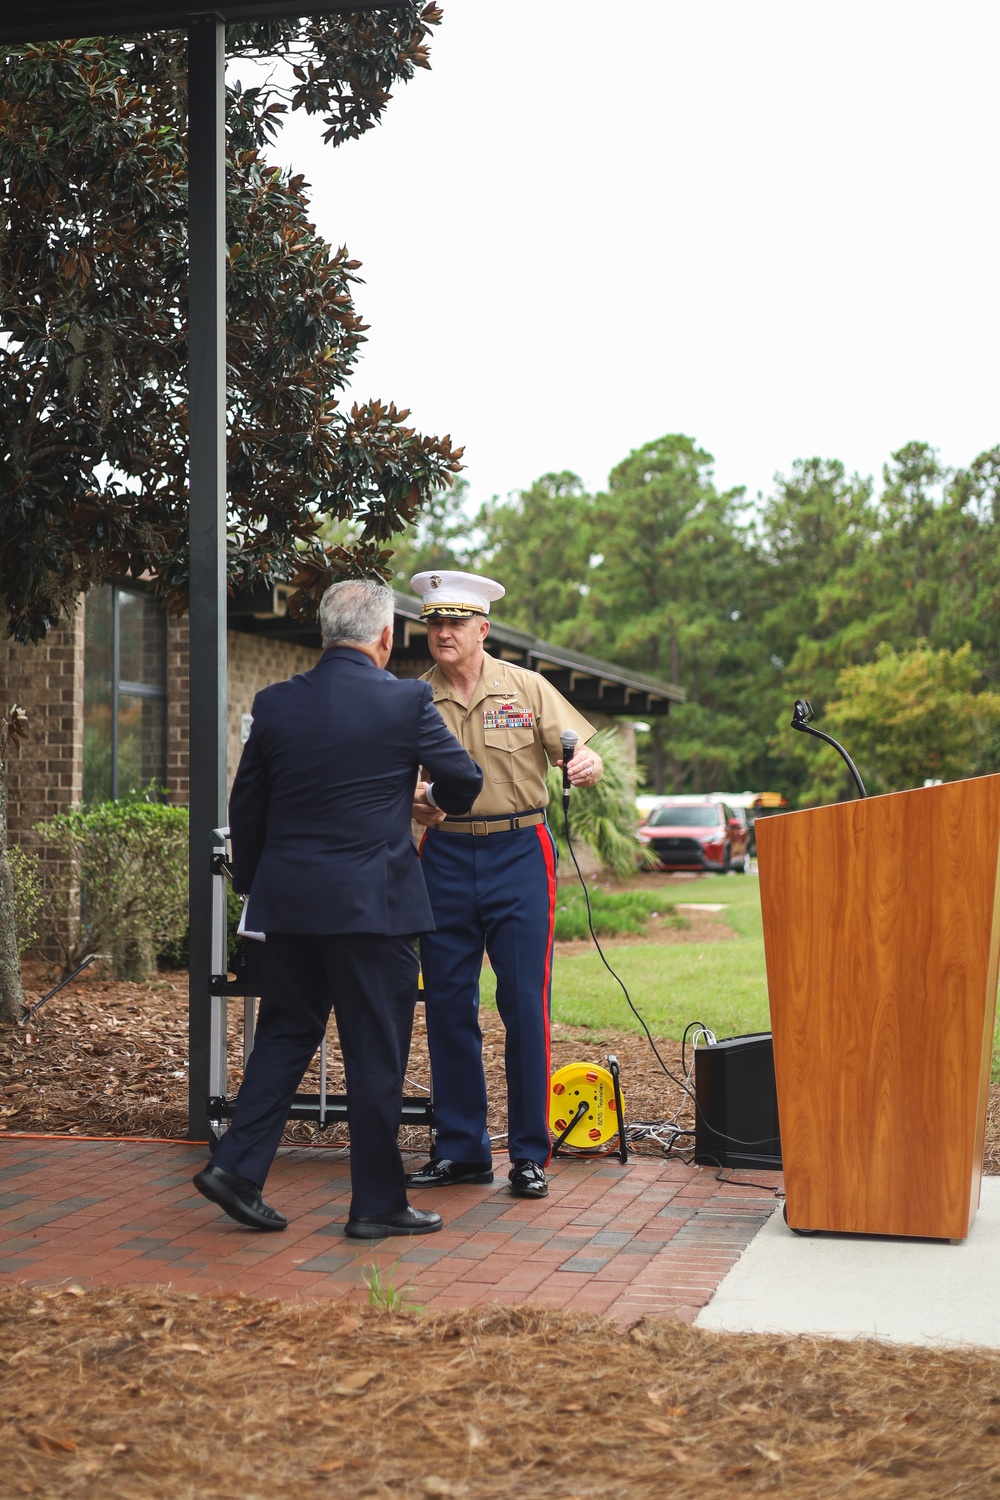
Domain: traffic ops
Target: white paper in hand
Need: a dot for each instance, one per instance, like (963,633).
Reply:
(241,931)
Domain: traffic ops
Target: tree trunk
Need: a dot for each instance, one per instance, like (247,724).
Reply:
(11,997)
(656,759)
(677,769)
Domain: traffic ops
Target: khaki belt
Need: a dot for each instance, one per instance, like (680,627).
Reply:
(481,826)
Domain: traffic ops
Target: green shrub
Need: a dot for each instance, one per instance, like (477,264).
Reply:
(27,894)
(120,884)
(175,955)
(616,913)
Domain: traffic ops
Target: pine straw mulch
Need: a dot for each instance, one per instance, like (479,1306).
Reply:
(129,1393)
(107,1057)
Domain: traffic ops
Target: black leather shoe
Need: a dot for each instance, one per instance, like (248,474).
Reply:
(407,1221)
(444,1173)
(239,1198)
(527,1180)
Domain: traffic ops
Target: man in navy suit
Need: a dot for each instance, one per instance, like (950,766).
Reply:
(320,824)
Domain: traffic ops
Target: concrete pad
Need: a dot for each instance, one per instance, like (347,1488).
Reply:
(856,1286)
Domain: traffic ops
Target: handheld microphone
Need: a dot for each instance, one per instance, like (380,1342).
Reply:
(569,740)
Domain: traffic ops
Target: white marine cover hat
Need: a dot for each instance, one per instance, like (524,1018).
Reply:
(455,595)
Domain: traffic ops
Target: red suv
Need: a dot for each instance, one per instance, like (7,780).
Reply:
(687,833)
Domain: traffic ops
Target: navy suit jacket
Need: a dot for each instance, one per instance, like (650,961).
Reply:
(319,813)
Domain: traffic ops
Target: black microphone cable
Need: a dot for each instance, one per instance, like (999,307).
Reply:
(568,739)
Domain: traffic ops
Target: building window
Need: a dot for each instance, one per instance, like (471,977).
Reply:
(124,693)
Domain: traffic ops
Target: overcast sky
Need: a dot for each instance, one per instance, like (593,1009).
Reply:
(769,224)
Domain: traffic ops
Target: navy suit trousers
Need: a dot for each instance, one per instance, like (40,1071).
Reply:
(495,893)
(370,981)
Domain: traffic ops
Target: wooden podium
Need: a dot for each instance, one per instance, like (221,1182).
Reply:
(881,934)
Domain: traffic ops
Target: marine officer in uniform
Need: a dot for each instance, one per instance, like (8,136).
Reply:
(491,877)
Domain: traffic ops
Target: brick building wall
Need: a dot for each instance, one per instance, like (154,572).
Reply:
(178,746)
(44,771)
(255,663)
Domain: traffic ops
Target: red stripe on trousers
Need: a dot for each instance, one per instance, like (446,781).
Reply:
(548,855)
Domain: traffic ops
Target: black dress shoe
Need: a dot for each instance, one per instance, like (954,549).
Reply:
(378,1226)
(444,1173)
(239,1198)
(527,1180)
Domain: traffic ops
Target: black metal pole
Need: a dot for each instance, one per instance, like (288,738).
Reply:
(207,519)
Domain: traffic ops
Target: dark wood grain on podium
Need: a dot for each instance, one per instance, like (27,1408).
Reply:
(882,937)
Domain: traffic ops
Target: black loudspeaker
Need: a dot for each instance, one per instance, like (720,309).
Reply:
(736,1121)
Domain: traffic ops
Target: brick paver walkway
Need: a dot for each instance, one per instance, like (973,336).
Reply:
(651,1237)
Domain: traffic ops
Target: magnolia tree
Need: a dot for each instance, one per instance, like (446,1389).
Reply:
(93,348)
(93,352)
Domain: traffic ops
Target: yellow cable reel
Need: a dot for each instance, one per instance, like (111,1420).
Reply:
(577,1084)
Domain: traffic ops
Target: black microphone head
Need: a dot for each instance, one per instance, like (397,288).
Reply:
(569,740)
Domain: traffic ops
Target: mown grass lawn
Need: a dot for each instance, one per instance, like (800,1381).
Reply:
(721,984)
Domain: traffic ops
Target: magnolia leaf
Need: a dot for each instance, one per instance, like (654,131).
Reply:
(662,1429)
(49,1442)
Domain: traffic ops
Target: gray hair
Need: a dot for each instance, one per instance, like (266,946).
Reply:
(354,610)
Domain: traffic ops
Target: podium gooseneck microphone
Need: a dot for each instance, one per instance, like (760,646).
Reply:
(569,740)
(801,715)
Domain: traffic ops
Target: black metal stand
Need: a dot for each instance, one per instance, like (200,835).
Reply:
(581,1110)
(613,1069)
(31,1010)
(244,968)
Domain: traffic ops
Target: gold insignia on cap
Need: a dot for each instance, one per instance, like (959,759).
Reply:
(435,580)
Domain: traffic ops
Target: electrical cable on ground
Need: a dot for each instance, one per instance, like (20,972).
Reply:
(600,954)
(685,1084)
(765,1187)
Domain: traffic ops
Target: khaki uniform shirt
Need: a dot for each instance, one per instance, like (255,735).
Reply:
(511,728)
